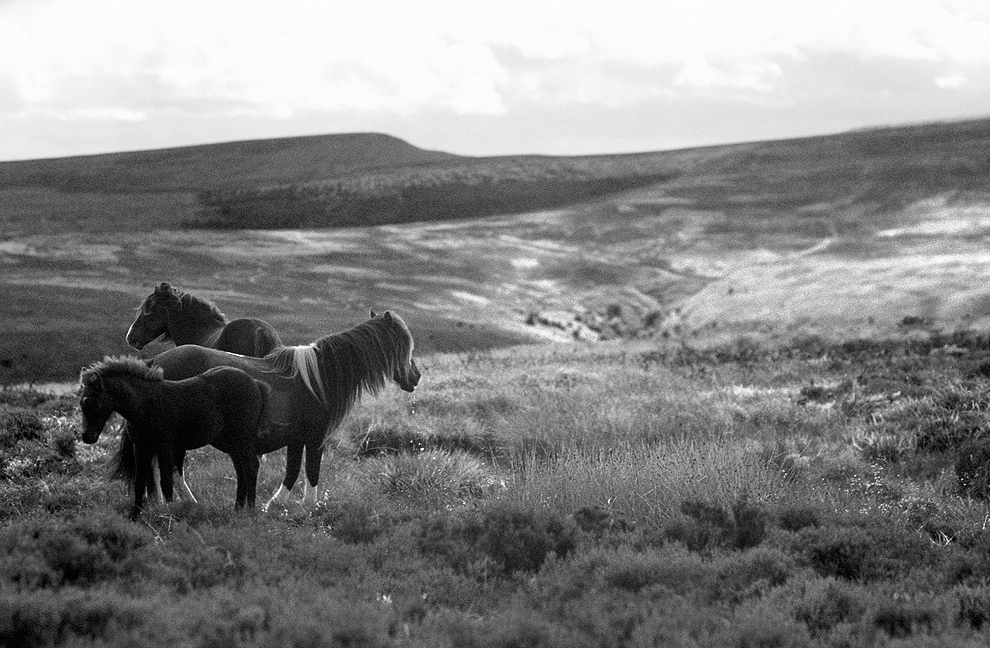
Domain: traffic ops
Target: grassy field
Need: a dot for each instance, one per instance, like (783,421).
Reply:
(751,492)
(773,431)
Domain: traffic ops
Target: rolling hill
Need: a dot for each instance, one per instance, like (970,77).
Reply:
(857,231)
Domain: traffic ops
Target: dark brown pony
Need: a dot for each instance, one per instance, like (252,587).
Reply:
(313,386)
(170,314)
(223,407)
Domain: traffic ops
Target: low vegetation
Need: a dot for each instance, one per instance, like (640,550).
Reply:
(806,492)
(438,192)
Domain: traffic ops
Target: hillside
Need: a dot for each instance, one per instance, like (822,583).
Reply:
(858,231)
(250,163)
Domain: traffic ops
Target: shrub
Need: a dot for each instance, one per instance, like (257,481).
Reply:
(597,520)
(83,549)
(766,630)
(513,537)
(954,417)
(900,619)
(31,446)
(972,468)
(520,539)
(353,522)
(824,604)
(974,607)
(708,525)
(797,517)
(878,549)
(17,424)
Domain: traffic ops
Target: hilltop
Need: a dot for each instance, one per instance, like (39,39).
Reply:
(243,164)
(862,231)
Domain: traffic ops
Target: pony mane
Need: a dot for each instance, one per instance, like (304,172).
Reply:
(339,368)
(198,309)
(201,308)
(126,366)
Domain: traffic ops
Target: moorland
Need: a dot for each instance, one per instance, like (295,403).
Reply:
(731,396)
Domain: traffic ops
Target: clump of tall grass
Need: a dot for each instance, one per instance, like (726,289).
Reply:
(649,483)
(432,475)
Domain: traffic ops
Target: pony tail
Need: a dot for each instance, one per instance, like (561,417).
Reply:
(122,465)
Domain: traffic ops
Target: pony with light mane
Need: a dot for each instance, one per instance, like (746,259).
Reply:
(313,387)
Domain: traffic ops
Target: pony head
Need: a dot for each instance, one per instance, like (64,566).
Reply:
(405,373)
(152,319)
(95,404)
(96,396)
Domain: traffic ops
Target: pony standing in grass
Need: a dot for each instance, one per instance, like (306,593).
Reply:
(313,386)
(170,314)
(223,407)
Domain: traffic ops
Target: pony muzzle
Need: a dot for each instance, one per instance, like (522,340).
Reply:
(136,339)
(91,434)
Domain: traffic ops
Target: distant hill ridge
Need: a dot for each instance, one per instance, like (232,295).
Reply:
(248,163)
(836,183)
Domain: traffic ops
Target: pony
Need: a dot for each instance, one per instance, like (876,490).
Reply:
(222,407)
(314,386)
(170,314)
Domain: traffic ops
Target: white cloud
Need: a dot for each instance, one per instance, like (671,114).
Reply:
(951,81)
(133,59)
(757,77)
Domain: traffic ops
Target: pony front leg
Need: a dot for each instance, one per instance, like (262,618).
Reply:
(167,469)
(246,466)
(142,473)
(311,490)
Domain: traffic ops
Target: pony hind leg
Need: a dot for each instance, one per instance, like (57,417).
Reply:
(180,479)
(154,487)
(293,463)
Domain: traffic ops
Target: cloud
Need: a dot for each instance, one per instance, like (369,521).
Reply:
(84,60)
(951,81)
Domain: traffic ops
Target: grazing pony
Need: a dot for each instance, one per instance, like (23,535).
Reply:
(223,407)
(170,314)
(313,386)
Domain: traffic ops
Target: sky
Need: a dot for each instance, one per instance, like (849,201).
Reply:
(558,77)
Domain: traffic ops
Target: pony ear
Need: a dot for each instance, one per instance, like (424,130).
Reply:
(388,316)
(373,313)
(163,287)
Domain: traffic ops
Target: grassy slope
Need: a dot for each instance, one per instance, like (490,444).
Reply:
(619,494)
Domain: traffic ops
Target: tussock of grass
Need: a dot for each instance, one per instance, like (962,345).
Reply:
(649,483)
(432,476)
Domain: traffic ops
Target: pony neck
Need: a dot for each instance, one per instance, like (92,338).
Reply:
(129,399)
(197,322)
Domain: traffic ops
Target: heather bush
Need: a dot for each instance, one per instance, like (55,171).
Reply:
(513,537)
(49,552)
(972,468)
